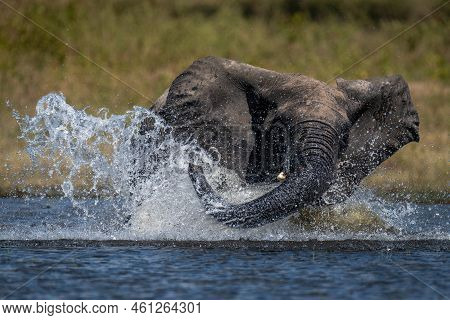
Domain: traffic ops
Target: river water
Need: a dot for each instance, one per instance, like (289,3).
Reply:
(100,260)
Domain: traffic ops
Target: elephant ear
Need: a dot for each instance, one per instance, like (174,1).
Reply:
(359,92)
(384,120)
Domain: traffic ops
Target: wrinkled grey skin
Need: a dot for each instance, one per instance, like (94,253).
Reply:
(261,122)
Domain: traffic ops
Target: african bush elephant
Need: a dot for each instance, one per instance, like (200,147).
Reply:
(324,140)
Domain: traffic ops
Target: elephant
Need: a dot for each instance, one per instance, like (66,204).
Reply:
(320,141)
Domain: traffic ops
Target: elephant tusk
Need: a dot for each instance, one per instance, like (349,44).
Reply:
(281,176)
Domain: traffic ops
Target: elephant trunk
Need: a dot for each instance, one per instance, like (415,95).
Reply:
(317,148)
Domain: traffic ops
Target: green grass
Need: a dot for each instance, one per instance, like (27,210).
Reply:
(147,43)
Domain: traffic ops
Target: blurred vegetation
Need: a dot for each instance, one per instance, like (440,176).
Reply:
(147,43)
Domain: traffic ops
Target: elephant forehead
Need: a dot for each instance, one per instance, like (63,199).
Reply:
(318,111)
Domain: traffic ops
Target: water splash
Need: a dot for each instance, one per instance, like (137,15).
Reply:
(128,183)
(103,157)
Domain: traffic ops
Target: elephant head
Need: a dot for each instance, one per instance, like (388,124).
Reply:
(316,118)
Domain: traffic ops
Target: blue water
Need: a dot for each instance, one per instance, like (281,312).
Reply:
(36,264)
(194,273)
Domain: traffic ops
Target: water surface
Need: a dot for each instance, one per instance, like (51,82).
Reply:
(35,263)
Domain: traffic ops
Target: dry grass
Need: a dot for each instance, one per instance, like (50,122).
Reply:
(146,44)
